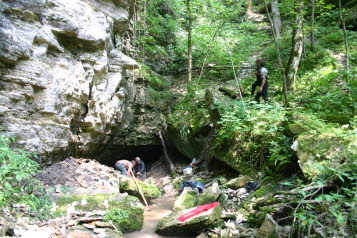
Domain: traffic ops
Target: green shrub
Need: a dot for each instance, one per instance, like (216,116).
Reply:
(253,134)
(17,184)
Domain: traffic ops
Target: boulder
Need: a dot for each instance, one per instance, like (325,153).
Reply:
(269,228)
(210,195)
(125,211)
(330,149)
(150,191)
(187,199)
(171,226)
(239,182)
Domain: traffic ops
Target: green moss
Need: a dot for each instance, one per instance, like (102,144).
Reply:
(187,200)
(264,190)
(329,148)
(269,210)
(303,122)
(128,215)
(150,191)
(85,202)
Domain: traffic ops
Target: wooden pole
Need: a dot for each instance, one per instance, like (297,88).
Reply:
(141,192)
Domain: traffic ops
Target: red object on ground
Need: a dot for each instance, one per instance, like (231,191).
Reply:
(197,211)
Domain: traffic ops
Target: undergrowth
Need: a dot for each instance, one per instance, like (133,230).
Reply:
(18,187)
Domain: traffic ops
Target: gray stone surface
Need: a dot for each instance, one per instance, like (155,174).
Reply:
(66,86)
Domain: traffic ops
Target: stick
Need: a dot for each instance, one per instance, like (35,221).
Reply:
(136,182)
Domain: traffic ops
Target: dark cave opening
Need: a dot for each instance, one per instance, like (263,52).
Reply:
(147,153)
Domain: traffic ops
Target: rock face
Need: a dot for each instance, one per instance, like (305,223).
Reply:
(170,226)
(66,85)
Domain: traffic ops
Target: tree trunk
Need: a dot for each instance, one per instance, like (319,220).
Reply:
(312,37)
(189,41)
(297,47)
(347,48)
(169,161)
(276,17)
(280,62)
(249,7)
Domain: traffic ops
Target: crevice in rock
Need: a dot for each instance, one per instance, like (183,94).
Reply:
(71,42)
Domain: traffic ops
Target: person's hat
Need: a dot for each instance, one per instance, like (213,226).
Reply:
(137,159)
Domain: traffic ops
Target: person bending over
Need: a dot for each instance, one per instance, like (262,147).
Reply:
(124,166)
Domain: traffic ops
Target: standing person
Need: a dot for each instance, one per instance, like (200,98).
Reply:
(263,87)
(258,81)
(139,169)
(124,166)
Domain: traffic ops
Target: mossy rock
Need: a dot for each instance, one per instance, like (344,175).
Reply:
(187,199)
(210,195)
(87,202)
(128,216)
(127,211)
(303,123)
(150,191)
(239,182)
(335,149)
(264,190)
(171,226)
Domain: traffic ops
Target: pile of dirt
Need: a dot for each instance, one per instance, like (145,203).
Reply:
(85,173)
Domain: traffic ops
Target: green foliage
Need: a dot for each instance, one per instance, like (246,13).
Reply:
(117,215)
(190,114)
(258,130)
(333,207)
(328,95)
(155,81)
(17,184)
(128,216)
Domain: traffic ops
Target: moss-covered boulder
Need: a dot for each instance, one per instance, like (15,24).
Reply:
(150,191)
(101,201)
(125,211)
(210,195)
(319,151)
(239,182)
(128,215)
(303,123)
(171,226)
(187,199)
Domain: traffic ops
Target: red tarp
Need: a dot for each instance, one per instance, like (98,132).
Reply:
(197,211)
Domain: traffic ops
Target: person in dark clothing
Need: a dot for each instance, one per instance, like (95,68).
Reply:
(263,87)
(258,81)
(139,169)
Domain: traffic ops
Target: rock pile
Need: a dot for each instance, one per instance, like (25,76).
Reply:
(84,175)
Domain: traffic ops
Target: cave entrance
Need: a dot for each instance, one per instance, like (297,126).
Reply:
(147,153)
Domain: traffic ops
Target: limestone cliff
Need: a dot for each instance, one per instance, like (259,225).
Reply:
(66,85)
